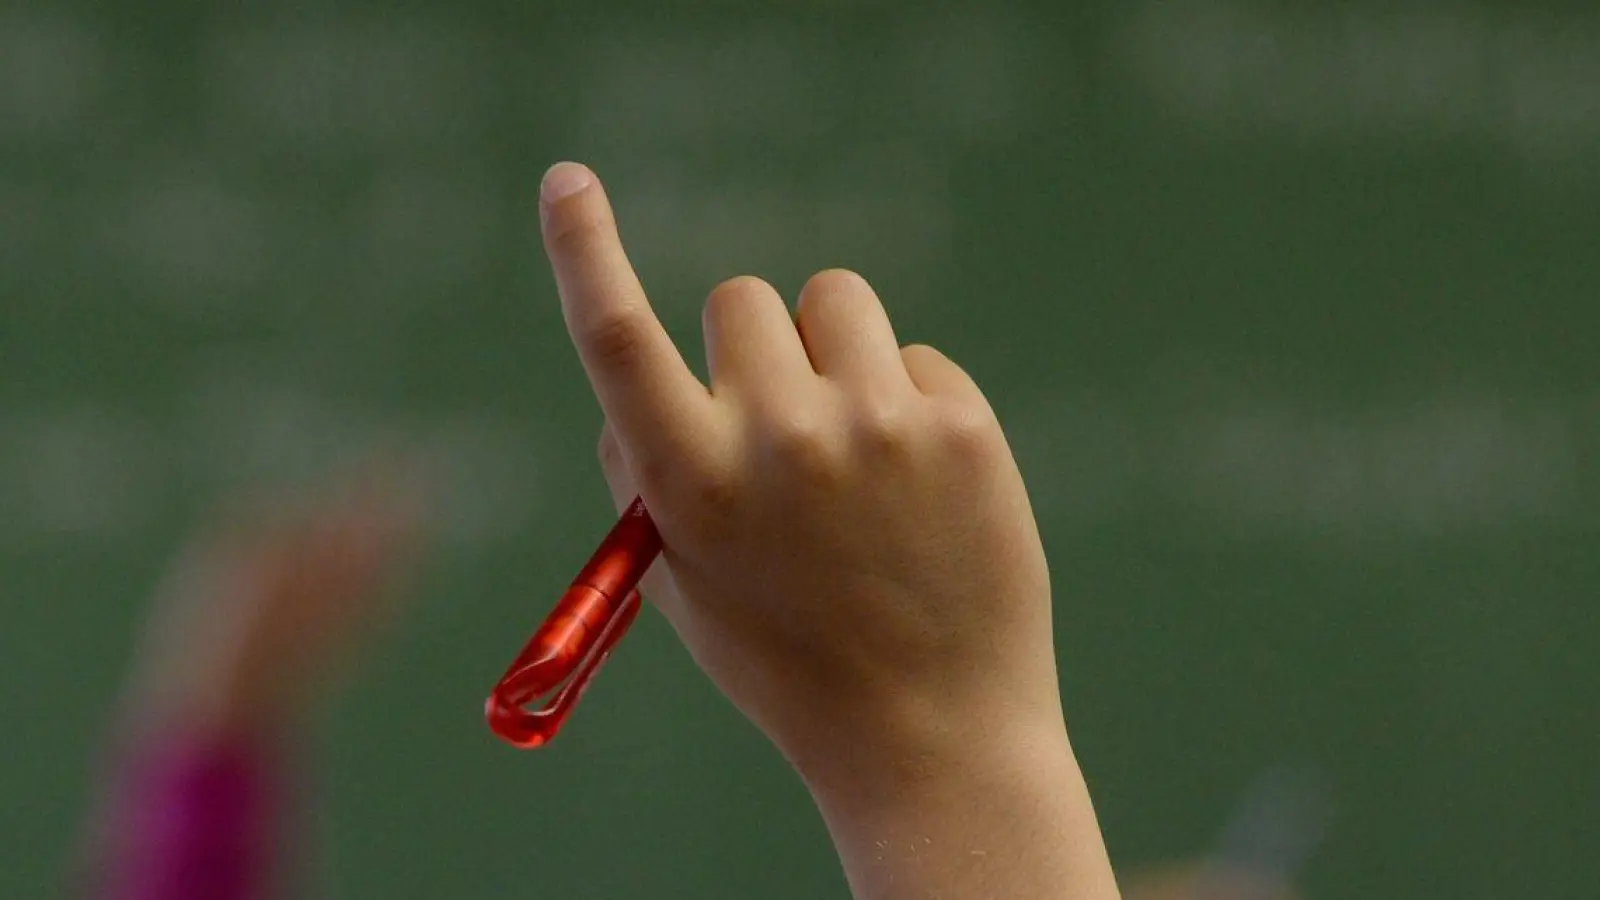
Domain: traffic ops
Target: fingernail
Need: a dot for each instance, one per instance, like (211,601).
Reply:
(563,180)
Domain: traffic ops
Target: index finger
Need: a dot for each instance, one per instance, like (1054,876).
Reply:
(648,393)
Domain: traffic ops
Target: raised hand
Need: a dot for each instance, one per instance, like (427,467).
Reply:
(253,619)
(850,556)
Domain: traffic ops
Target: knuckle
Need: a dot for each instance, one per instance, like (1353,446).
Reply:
(707,492)
(798,434)
(715,492)
(706,484)
(576,225)
(729,296)
(830,289)
(970,432)
(921,355)
(885,431)
(654,471)
(802,444)
(614,339)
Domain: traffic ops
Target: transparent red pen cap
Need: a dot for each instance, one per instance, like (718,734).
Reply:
(562,657)
(558,662)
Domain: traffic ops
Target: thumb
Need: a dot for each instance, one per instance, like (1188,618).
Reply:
(657,586)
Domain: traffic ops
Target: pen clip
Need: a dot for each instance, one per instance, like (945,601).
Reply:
(577,637)
(553,661)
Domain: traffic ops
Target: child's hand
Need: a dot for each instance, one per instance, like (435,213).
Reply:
(850,553)
(251,621)
(855,559)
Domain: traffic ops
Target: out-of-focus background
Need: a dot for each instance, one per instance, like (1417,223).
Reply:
(1290,312)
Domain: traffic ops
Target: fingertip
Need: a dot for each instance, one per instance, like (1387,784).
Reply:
(563,180)
(837,280)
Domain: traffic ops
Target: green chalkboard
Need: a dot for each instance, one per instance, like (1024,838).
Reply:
(1290,313)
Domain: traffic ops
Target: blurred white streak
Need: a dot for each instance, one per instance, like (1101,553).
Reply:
(700,228)
(186,235)
(241,432)
(1452,465)
(51,74)
(668,89)
(78,473)
(483,472)
(350,84)
(93,474)
(967,76)
(1399,74)
(1416,70)
(1551,91)
(961,77)
(1526,82)
(28,225)
(423,230)
(667,95)
(1085,462)
(485,475)
(1278,824)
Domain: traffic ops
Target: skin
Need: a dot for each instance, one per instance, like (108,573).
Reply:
(851,557)
(254,621)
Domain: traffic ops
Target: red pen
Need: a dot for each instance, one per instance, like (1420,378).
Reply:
(577,637)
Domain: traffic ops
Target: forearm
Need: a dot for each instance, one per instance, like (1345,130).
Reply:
(1008,817)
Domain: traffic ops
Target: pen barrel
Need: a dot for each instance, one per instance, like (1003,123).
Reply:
(577,636)
(624,555)
(560,644)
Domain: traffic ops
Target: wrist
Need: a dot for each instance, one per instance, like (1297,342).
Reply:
(901,761)
(1000,809)
(869,739)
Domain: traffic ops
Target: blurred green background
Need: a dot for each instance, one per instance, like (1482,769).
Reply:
(1290,311)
